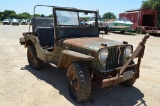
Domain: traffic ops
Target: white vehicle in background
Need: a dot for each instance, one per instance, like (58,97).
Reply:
(120,24)
(15,22)
(23,22)
(6,22)
(102,25)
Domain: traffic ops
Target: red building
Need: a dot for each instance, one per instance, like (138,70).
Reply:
(144,20)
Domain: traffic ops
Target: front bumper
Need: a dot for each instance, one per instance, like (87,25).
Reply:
(138,53)
(113,81)
(6,23)
(23,23)
(15,23)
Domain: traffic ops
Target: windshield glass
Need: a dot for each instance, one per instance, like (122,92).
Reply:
(14,20)
(101,19)
(6,20)
(92,19)
(123,19)
(23,20)
(126,19)
(67,18)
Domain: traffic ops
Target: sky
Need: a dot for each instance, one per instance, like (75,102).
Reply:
(104,6)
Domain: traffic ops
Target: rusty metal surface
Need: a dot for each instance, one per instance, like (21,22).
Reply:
(110,81)
(114,81)
(138,50)
(77,55)
(91,43)
(67,32)
(22,41)
(67,57)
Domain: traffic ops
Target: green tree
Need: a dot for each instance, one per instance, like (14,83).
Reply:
(42,15)
(51,15)
(152,4)
(8,14)
(84,18)
(109,15)
(23,15)
(12,15)
(2,16)
(37,15)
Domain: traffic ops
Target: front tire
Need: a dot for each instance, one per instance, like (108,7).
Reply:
(79,82)
(33,60)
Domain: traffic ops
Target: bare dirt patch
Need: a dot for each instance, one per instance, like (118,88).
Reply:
(22,86)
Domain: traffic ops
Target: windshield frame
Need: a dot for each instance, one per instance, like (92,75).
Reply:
(72,10)
(61,29)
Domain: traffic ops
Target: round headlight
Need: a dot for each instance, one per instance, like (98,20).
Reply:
(128,51)
(103,55)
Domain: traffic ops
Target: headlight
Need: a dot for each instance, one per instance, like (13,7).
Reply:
(103,55)
(127,50)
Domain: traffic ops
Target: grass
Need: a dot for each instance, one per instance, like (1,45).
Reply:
(134,33)
(0,22)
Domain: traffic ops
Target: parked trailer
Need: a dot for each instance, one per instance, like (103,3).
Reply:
(144,20)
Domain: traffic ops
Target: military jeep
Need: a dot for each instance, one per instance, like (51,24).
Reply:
(88,58)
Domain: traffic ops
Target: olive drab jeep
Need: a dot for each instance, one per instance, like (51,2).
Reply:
(79,49)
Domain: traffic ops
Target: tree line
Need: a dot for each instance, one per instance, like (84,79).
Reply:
(9,14)
(146,4)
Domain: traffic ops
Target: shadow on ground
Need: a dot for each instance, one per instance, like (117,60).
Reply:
(117,96)
(155,35)
(125,33)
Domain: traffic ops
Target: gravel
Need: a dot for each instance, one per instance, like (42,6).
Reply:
(22,86)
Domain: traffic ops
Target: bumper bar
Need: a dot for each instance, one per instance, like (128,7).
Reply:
(138,53)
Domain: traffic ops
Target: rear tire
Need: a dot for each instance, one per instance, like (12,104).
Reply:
(106,31)
(122,32)
(33,60)
(140,31)
(79,82)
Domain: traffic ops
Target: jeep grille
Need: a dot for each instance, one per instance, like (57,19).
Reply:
(115,58)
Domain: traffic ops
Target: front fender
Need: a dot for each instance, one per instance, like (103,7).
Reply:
(67,57)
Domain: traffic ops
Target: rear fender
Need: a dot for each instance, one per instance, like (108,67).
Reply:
(22,41)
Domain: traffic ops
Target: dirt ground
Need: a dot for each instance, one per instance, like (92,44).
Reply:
(22,86)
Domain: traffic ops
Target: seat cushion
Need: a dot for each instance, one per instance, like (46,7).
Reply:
(40,22)
(45,36)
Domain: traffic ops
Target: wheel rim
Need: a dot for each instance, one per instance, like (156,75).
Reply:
(74,83)
(140,31)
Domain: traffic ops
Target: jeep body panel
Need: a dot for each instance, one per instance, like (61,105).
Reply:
(91,43)
(67,57)
(45,55)
(75,43)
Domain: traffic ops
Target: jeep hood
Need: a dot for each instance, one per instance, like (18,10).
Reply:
(89,43)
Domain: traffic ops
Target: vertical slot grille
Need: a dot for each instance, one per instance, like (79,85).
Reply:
(115,58)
